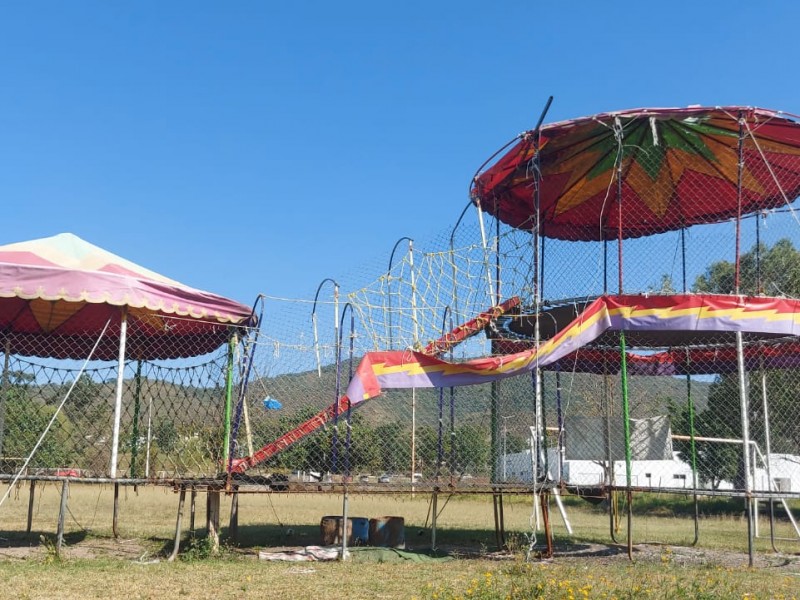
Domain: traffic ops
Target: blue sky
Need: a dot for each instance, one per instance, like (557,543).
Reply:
(246,147)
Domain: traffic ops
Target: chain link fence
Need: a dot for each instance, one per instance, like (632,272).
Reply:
(171,417)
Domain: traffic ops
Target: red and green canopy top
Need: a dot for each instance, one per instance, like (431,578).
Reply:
(639,172)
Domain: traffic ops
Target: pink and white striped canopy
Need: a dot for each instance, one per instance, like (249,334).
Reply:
(57,293)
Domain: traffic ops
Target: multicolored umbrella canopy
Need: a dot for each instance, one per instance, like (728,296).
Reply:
(639,172)
(57,294)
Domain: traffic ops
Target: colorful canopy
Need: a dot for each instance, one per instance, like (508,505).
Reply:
(689,313)
(645,171)
(57,293)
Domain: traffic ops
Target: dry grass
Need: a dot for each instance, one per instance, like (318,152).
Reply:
(98,566)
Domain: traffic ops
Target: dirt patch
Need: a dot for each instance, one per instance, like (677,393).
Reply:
(85,548)
(678,555)
(578,553)
(89,547)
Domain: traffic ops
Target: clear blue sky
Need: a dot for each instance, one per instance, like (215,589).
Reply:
(253,146)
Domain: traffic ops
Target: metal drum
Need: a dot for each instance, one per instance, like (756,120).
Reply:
(330,529)
(388,532)
(359,531)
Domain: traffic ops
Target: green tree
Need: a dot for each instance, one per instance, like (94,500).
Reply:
(395,447)
(25,421)
(773,271)
(84,404)
(365,446)
(471,449)
(166,435)
(516,442)
(716,462)
(763,270)
(427,450)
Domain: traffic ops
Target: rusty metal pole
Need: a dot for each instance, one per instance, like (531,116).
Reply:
(212,518)
(115,517)
(61,516)
(30,506)
(233,526)
(548,532)
(192,510)
(177,546)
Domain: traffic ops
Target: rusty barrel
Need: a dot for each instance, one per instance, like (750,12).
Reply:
(389,532)
(330,529)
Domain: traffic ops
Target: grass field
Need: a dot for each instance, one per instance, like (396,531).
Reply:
(587,565)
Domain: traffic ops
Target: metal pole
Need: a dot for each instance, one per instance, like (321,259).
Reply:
(414,316)
(627,428)
(177,546)
(413,436)
(338,364)
(562,510)
(149,438)
(30,506)
(440,436)
(137,390)
(560,417)
(62,513)
(345,554)
(123,334)
(232,342)
(745,415)
(743,391)
(540,474)
(739,176)
(314,319)
(768,448)
(548,532)
(497,538)
(4,391)
(233,527)
(192,509)
(610,458)
(452,257)
(693,447)
(618,130)
(435,510)
(319,363)
(115,515)
(505,436)
(494,402)
(690,405)
(389,284)
(415,324)
(497,291)
(541,451)
(452,430)
(485,254)
(247,429)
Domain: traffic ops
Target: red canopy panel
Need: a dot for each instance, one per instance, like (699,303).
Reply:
(645,171)
(718,360)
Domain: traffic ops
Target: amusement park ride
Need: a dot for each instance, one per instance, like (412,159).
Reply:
(611,190)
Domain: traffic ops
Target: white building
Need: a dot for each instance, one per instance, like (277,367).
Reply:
(644,473)
(656,474)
